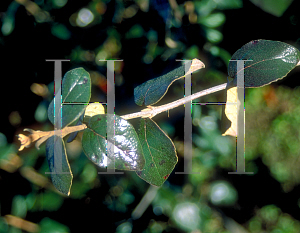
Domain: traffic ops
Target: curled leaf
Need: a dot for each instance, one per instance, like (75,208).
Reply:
(154,90)
(231,111)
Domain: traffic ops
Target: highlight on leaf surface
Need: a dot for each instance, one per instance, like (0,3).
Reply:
(76,94)
(159,152)
(128,154)
(271,61)
(154,90)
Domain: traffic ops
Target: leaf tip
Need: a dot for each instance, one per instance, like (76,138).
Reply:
(196,65)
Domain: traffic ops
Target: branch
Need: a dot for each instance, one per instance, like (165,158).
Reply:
(42,136)
(152,111)
(21,223)
(145,202)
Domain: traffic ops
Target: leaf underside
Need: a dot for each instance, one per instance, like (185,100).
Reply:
(159,152)
(60,170)
(128,154)
(154,90)
(230,111)
(271,61)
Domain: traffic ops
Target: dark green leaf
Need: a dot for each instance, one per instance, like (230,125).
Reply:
(60,170)
(48,225)
(128,154)
(76,88)
(271,60)
(228,4)
(159,152)
(154,90)
(47,201)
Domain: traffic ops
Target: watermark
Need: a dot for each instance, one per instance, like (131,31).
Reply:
(240,137)
(110,126)
(188,126)
(58,147)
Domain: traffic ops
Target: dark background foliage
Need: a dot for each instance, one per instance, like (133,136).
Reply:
(149,37)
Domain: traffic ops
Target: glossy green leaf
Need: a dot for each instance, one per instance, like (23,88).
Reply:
(60,170)
(154,90)
(271,60)
(76,88)
(159,152)
(128,154)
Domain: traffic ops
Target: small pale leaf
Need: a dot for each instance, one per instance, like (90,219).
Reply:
(231,111)
(92,110)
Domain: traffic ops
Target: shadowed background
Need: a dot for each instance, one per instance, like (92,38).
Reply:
(149,36)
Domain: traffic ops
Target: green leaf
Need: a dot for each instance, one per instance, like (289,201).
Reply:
(213,20)
(159,152)
(60,170)
(61,31)
(154,90)
(276,8)
(19,207)
(48,225)
(271,60)
(128,154)
(76,88)
(228,4)
(47,201)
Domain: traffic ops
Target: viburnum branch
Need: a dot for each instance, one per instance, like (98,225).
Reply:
(151,111)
